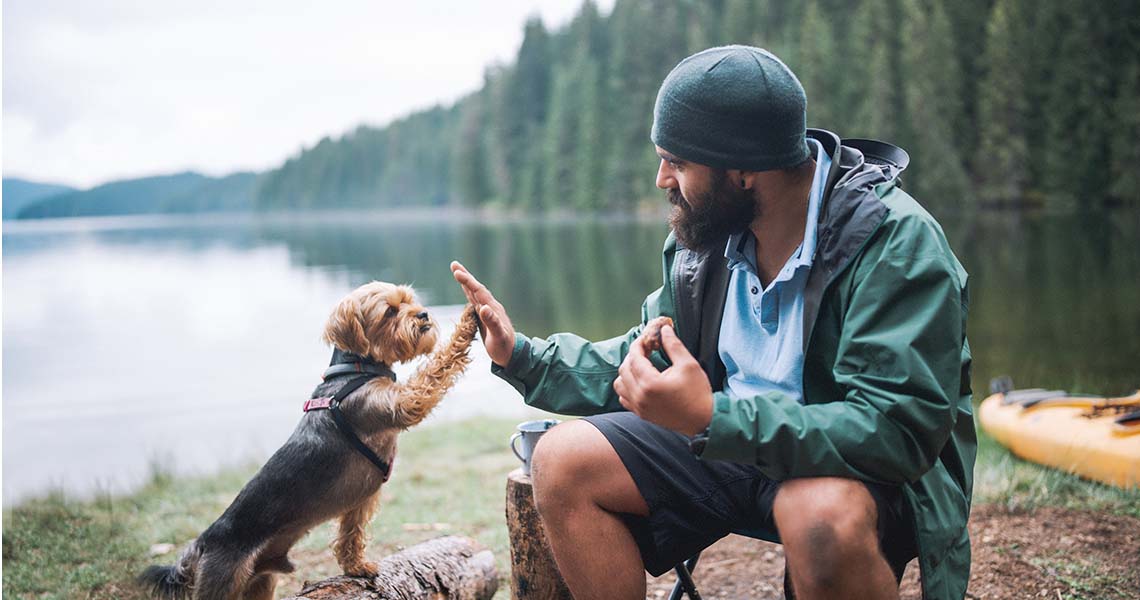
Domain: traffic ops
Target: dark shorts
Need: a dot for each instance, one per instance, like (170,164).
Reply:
(693,502)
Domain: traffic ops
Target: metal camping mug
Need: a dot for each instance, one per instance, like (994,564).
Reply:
(529,432)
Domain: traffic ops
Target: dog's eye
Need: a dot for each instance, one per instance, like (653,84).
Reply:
(391,312)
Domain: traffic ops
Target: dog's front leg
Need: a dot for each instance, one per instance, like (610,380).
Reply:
(416,398)
(353,537)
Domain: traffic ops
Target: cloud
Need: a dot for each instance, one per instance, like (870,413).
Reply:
(97,91)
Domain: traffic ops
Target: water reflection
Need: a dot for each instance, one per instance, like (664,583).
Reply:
(588,276)
(1056,300)
(192,338)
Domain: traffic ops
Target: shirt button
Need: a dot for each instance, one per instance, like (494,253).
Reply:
(755,290)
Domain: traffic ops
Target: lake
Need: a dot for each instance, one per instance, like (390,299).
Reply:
(190,342)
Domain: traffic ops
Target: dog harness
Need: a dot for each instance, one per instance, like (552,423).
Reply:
(344,363)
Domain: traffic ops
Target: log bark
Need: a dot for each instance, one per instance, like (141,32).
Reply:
(534,575)
(446,568)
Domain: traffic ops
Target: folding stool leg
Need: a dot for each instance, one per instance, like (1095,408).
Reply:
(685,583)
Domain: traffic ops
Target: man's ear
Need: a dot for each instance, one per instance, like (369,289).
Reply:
(742,179)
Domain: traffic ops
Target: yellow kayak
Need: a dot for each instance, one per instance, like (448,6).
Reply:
(1094,437)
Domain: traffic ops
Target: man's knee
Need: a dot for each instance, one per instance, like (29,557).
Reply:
(559,464)
(574,463)
(832,520)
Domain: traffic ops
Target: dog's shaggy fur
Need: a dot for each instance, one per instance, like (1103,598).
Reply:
(317,475)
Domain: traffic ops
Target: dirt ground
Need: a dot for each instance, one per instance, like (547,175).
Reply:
(1047,553)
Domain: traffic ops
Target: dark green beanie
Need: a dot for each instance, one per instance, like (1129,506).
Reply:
(732,107)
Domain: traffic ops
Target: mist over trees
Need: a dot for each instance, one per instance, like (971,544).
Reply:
(997,101)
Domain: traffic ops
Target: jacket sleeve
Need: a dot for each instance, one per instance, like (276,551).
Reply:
(568,374)
(898,360)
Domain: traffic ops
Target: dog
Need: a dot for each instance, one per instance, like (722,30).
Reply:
(320,473)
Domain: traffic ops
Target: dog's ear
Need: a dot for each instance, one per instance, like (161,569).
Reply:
(345,327)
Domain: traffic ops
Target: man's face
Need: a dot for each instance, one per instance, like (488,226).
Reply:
(707,207)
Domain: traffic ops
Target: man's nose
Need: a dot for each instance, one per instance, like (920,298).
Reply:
(665,179)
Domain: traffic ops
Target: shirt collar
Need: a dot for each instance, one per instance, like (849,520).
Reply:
(741,248)
(741,251)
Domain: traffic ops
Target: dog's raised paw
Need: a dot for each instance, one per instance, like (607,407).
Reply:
(469,321)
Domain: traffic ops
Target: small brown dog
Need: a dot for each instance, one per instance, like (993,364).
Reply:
(319,474)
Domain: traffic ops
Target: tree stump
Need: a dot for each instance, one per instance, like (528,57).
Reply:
(534,575)
(446,568)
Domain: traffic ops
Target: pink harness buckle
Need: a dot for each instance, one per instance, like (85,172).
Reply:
(316,403)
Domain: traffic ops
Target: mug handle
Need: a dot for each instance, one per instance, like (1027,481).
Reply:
(514,438)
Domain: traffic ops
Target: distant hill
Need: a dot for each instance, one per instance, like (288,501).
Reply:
(19,193)
(177,193)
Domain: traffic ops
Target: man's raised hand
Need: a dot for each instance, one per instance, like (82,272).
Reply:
(495,326)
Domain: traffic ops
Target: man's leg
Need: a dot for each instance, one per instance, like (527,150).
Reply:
(829,527)
(580,487)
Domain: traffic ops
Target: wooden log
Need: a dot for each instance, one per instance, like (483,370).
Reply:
(534,575)
(446,568)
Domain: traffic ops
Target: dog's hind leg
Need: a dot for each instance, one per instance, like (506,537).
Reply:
(353,537)
(423,391)
(222,575)
(260,587)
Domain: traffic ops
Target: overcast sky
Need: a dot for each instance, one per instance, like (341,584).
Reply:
(110,89)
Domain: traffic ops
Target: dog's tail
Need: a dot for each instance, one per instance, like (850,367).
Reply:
(174,582)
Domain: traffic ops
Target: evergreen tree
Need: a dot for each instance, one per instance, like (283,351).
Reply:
(524,114)
(470,183)
(704,30)
(559,139)
(1003,156)
(586,191)
(1078,111)
(590,139)
(640,63)
(1037,55)
(740,22)
(815,68)
(1125,182)
(930,69)
(874,91)
(968,20)
(496,135)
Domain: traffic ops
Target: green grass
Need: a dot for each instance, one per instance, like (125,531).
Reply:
(1002,478)
(449,479)
(1081,575)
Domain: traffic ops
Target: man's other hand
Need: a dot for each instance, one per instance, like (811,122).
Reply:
(494,325)
(678,398)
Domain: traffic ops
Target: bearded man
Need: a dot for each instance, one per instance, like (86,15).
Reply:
(815,389)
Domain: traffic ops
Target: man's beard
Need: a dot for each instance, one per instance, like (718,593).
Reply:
(713,215)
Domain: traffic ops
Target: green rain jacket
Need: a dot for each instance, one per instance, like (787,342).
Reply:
(886,377)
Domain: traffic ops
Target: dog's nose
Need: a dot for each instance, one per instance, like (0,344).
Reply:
(423,316)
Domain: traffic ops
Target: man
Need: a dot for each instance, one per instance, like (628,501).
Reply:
(816,387)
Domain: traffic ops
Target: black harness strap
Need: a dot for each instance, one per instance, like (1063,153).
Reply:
(346,429)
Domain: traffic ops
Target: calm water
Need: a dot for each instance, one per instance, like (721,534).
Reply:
(192,342)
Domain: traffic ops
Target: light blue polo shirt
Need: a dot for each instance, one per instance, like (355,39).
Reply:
(761,334)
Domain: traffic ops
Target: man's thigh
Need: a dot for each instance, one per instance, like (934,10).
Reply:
(692,503)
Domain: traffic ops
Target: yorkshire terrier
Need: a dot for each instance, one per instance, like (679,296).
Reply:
(321,472)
